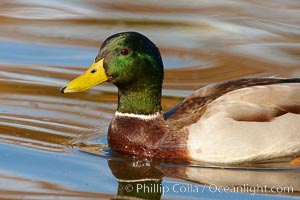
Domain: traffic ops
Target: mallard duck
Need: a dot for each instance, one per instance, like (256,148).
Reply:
(238,121)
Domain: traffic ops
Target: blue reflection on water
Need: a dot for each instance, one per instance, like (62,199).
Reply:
(32,53)
(74,171)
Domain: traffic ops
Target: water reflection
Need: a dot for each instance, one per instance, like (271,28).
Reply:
(144,180)
(138,179)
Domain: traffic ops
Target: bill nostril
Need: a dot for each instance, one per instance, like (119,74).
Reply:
(93,71)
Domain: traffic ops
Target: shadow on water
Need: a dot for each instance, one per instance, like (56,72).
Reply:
(44,44)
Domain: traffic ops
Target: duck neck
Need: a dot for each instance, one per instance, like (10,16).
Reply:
(140,101)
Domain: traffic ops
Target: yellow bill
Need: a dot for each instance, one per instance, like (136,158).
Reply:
(94,75)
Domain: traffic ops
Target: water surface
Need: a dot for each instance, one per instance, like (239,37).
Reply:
(54,146)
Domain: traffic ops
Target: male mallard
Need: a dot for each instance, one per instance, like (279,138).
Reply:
(237,121)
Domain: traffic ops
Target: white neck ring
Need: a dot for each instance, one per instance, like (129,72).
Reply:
(139,116)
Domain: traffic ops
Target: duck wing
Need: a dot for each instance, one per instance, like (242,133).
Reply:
(191,109)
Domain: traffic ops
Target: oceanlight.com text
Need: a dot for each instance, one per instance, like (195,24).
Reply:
(211,188)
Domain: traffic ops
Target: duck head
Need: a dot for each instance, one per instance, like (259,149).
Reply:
(133,63)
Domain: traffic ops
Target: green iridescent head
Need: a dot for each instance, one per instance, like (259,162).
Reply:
(133,63)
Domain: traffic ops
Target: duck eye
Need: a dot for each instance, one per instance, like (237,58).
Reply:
(124,52)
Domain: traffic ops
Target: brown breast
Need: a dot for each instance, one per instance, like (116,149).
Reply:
(148,138)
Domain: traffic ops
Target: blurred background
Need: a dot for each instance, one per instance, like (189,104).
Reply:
(44,44)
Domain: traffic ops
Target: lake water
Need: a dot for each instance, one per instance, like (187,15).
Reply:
(53,146)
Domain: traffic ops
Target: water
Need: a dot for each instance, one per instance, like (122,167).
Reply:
(53,146)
